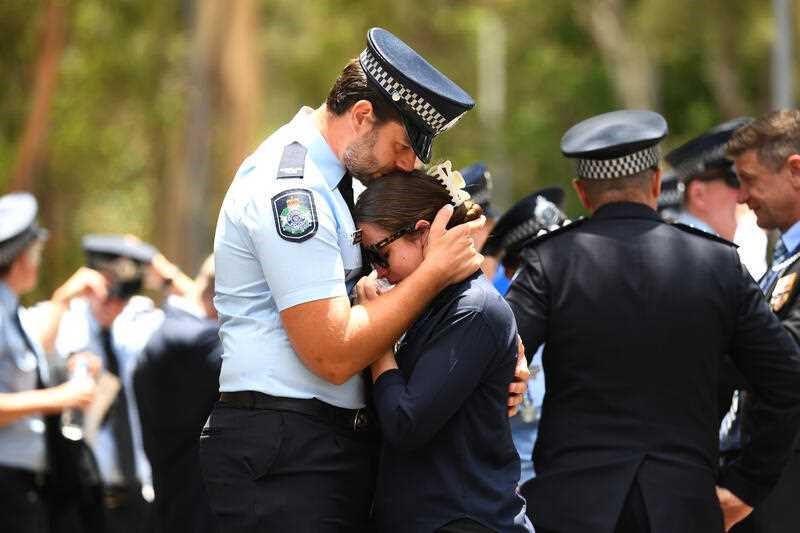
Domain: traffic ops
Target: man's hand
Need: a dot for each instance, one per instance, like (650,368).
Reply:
(91,360)
(451,252)
(75,393)
(734,510)
(84,282)
(162,274)
(520,384)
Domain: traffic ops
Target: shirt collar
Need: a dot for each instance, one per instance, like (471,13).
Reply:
(8,298)
(691,220)
(321,153)
(791,237)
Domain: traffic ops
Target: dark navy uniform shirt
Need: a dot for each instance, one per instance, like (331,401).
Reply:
(447,450)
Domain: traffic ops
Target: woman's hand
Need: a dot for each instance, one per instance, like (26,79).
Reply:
(367,288)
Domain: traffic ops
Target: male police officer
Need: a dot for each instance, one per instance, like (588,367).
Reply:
(710,186)
(637,315)
(29,433)
(767,157)
(290,446)
(116,328)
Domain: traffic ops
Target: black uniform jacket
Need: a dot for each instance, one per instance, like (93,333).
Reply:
(176,382)
(636,315)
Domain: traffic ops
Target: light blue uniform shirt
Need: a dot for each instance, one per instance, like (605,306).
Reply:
(691,220)
(130,331)
(259,273)
(791,238)
(22,443)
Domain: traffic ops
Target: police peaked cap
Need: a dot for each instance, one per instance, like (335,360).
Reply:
(706,153)
(615,144)
(478,182)
(526,218)
(118,246)
(18,227)
(428,101)
(670,201)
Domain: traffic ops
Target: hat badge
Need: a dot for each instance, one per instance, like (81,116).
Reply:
(396,96)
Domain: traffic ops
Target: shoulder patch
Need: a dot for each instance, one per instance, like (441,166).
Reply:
(701,233)
(293,161)
(295,214)
(541,237)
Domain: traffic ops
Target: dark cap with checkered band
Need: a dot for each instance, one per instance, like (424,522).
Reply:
(428,101)
(616,144)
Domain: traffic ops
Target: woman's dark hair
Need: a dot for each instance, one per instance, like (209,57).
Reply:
(399,199)
(351,86)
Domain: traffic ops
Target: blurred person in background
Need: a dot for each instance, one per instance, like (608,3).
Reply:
(44,480)
(176,381)
(710,185)
(530,217)
(766,154)
(117,327)
(478,183)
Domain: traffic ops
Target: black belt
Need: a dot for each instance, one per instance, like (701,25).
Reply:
(356,420)
(22,477)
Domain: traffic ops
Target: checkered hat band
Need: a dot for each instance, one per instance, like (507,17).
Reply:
(522,232)
(628,165)
(396,90)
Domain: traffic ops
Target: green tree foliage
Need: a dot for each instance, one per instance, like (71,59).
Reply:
(119,116)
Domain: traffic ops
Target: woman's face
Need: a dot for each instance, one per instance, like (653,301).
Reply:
(402,255)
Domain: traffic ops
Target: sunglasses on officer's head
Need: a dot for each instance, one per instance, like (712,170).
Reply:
(372,253)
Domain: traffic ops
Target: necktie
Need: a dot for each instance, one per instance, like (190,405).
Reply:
(771,276)
(118,414)
(346,189)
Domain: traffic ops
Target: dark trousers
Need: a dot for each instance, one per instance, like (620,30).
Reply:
(268,470)
(780,511)
(22,506)
(126,511)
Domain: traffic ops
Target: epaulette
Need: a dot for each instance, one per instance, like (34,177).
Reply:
(691,229)
(293,162)
(541,237)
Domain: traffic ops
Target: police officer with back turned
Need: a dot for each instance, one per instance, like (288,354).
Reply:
(637,315)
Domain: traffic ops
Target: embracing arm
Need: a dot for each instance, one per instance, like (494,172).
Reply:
(337,341)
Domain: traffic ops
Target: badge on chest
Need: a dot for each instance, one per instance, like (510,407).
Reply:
(782,291)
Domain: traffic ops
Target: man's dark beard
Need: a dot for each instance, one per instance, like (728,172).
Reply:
(359,159)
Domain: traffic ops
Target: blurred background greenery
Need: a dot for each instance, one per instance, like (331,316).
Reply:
(132,116)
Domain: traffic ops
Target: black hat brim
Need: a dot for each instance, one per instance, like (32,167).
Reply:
(421,141)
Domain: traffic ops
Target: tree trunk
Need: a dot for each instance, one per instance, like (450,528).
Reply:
(33,144)
(632,72)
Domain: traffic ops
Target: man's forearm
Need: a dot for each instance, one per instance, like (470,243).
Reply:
(337,341)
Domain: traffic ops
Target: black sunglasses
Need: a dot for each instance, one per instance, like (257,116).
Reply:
(372,254)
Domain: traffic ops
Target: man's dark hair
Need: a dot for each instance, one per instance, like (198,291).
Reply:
(351,86)
(774,137)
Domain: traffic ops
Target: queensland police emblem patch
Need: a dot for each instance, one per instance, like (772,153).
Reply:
(295,214)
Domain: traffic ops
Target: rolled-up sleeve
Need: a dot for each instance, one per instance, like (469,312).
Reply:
(449,370)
